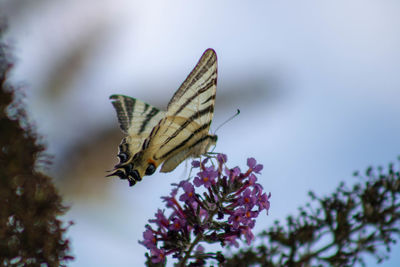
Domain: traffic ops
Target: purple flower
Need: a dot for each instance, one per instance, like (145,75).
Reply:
(257,189)
(237,218)
(150,240)
(195,163)
(157,255)
(222,158)
(248,216)
(206,177)
(263,202)
(247,234)
(252,163)
(232,173)
(204,162)
(189,191)
(247,199)
(231,240)
(242,217)
(160,220)
(170,200)
(177,224)
(252,179)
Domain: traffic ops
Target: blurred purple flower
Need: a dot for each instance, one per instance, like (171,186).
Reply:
(247,199)
(204,162)
(189,194)
(231,240)
(157,255)
(263,202)
(246,231)
(248,218)
(252,179)
(232,173)
(195,163)
(237,217)
(177,224)
(206,177)
(169,199)
(252,163)
(257,189)
(150,240)
(160,220)
(222,159)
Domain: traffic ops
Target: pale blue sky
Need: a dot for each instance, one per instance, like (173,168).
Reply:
(317,82)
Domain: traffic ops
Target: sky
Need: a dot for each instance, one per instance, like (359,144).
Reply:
(317,84)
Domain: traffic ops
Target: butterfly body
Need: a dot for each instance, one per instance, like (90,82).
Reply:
(156,137)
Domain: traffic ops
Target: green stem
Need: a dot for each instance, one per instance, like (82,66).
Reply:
(197,240)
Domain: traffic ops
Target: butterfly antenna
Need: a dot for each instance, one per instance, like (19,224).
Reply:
(229,119)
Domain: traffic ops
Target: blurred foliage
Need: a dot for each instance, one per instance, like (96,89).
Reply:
(337,230)
(30,232)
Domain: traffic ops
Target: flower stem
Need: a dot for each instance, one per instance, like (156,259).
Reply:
(197,240)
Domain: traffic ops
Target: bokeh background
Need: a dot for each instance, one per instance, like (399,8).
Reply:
(317,83)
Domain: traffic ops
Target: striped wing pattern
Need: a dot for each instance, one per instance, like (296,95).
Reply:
(184,132)
(136,118)
(155,136)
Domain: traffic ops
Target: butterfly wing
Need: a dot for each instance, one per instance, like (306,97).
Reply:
(196,96)
(136,119)
(195,149)
(184,131)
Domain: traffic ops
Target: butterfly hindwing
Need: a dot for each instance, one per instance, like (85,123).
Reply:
(136,118)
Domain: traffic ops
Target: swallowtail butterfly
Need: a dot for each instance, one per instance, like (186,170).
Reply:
(168,137)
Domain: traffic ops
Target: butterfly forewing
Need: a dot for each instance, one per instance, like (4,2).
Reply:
(184,133)
(196,96)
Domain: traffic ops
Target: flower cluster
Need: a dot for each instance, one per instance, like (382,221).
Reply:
(219,206)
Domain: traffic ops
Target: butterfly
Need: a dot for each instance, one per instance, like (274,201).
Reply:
(155,137)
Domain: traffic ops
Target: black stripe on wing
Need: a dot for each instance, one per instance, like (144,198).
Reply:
(146,107)
(153,112)
(204,89)
(153,132)
(195,116)
(184,142)
(124,106)
(130,107)
(211,61)
(204,138)
(133,112)
(207,60)
(212,97)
